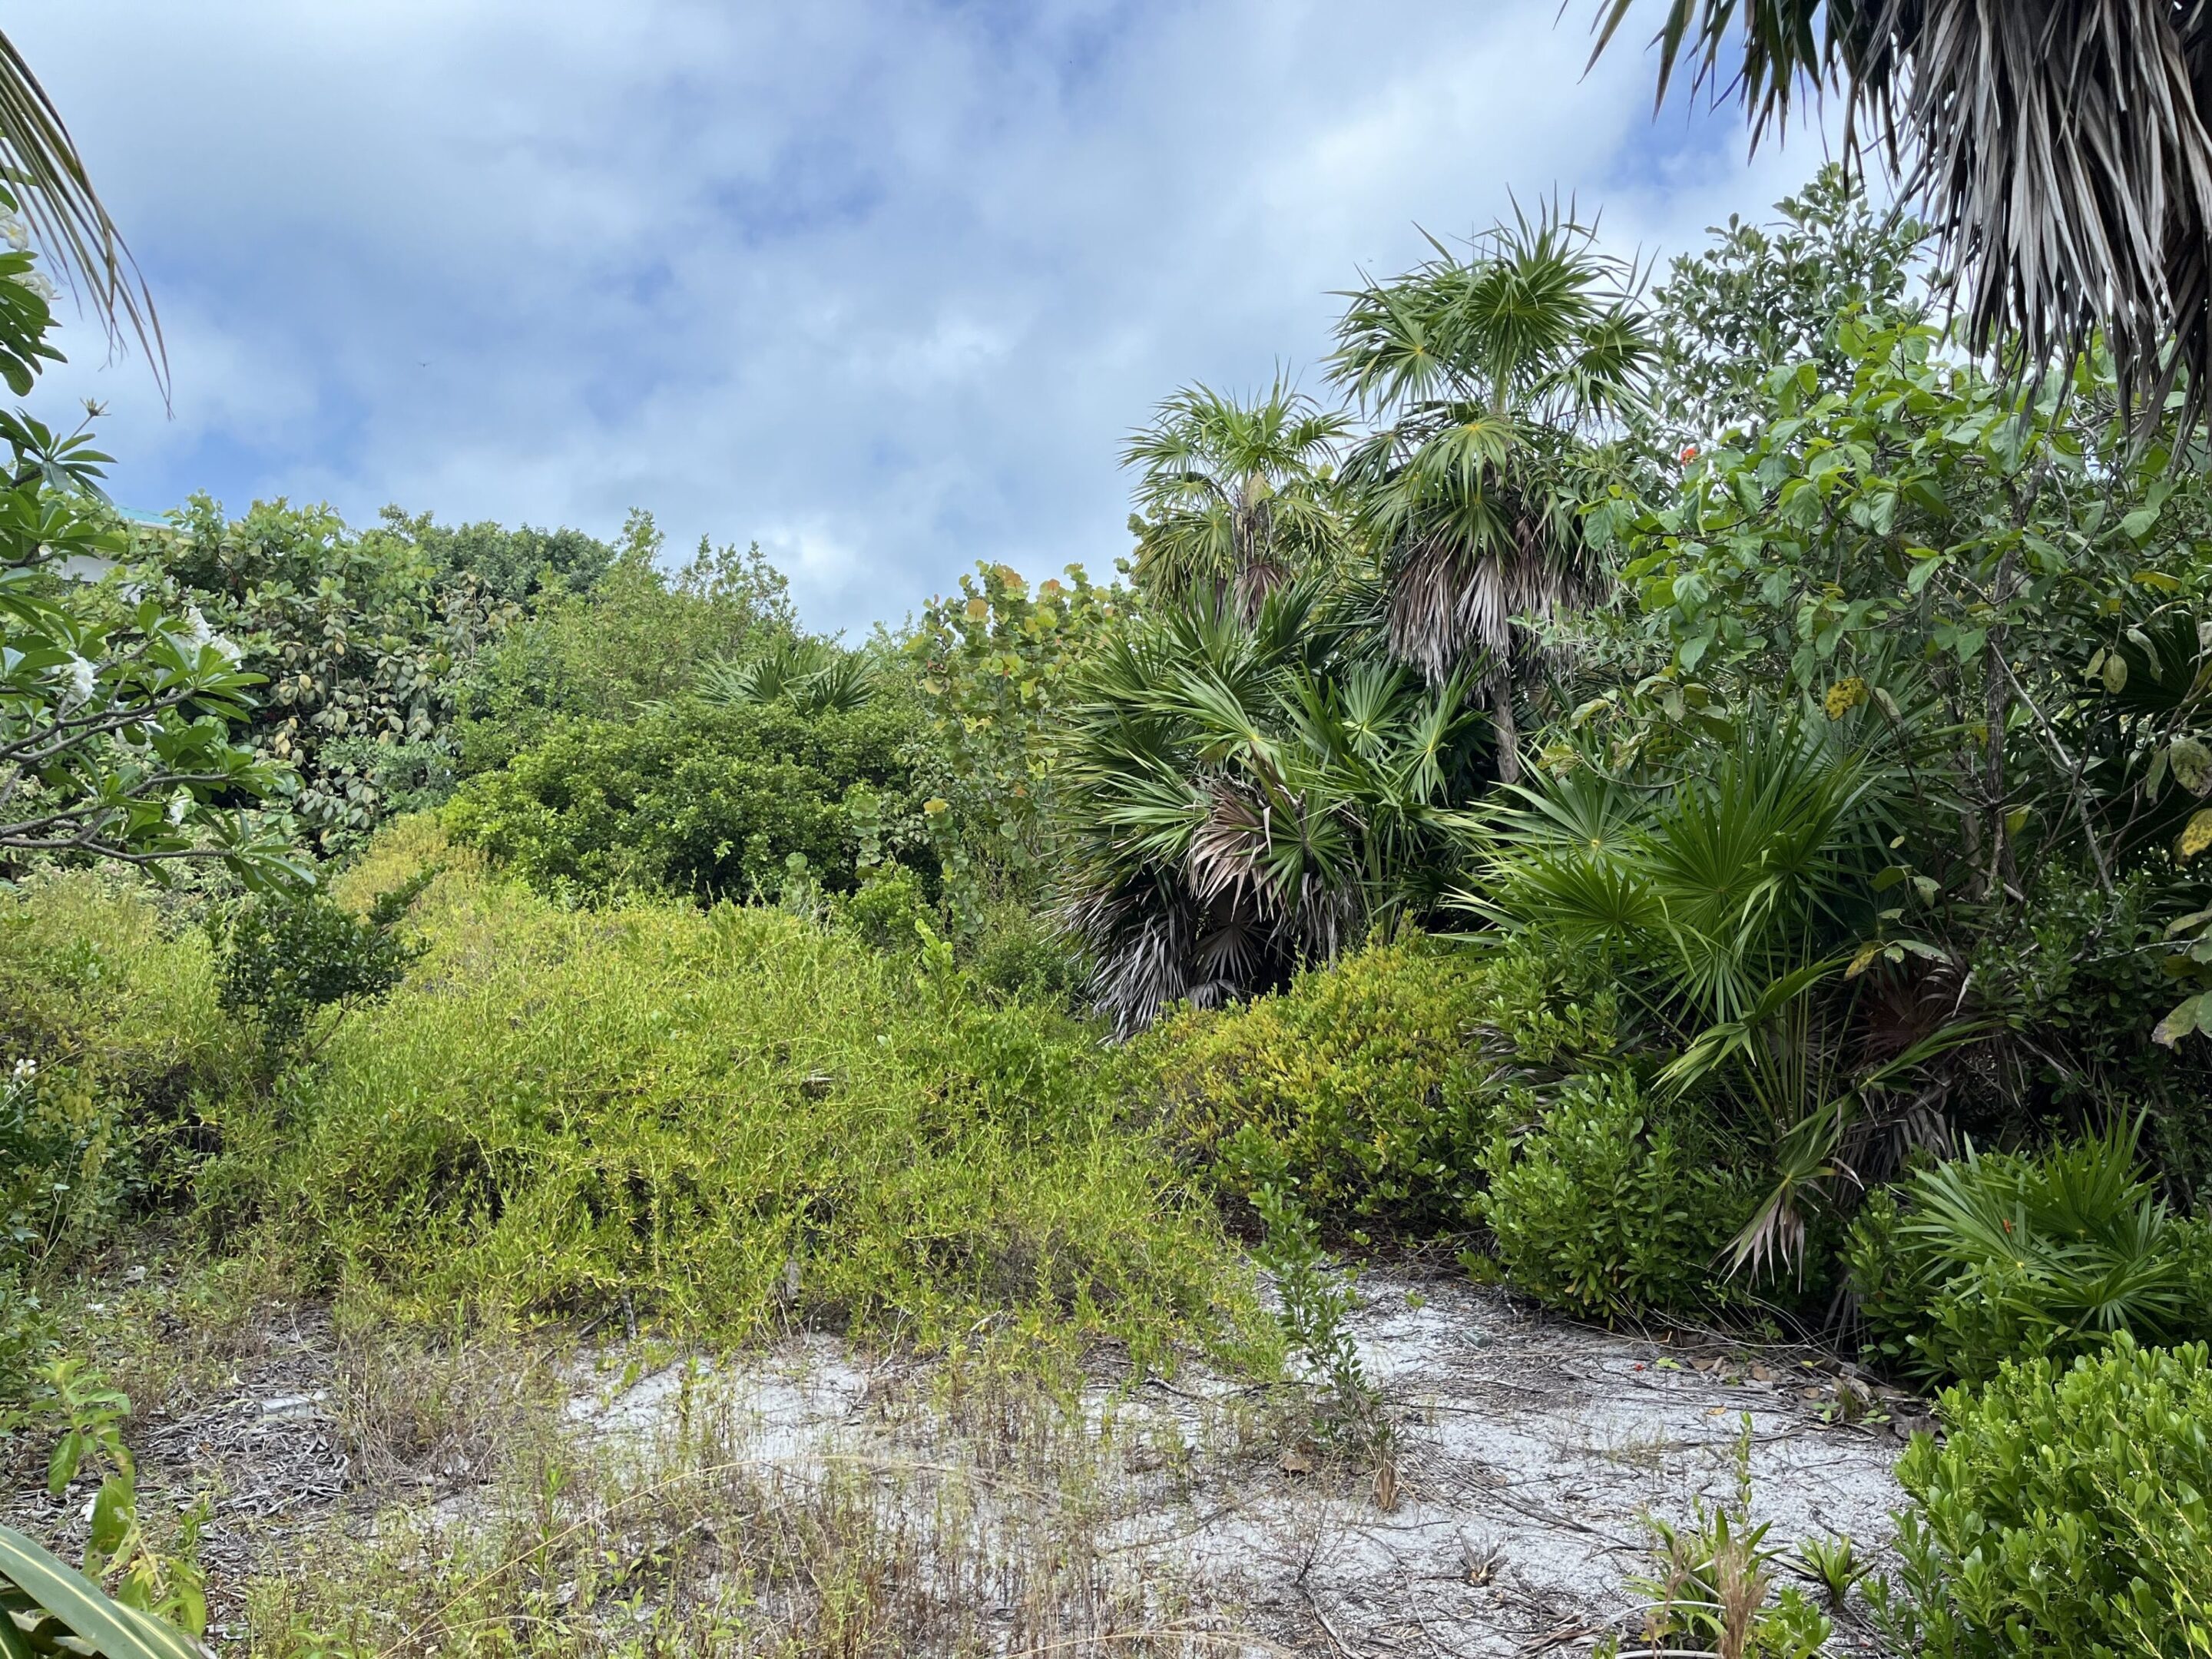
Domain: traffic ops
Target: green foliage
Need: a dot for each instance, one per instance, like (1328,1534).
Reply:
(1363,1084)
(361,637)
(171,1590)
(115,712)
(1607,1205)
(2004,1256)
(1488,373)
(2064,1512)
(284,958)
(1236,498)
(1766,297)
(1713,1591)
(640,634)
(814,677)
(50,1603)
(523,567)
(1245,796)
(995,665)
(691,799)
(724,1120)
(117,1050)
(1314,1299)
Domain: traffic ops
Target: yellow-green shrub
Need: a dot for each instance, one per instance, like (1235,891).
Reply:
(1365,1083)
(112,1042)
(722,1118)
(94,972)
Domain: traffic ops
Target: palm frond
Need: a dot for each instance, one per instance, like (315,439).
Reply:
(2060,148)
(45,179)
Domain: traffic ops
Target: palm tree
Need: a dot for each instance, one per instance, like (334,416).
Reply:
(1247,793)
(2062,149)
(1234,495)
(1487,371)
(44,179)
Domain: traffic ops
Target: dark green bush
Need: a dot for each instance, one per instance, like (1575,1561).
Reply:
(705,803)
(2001,1256)
(1608,1205)
(2064,1512)
(283,956)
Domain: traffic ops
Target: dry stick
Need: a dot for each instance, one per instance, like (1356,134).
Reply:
(1327,1629)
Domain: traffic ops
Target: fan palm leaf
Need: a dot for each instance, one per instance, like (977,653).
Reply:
(1247,794)
(1235,496)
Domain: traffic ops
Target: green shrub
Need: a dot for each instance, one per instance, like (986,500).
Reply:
(721,1120)
(113,1046)
(1999,1256)
(1359,1084)
(1607,1205)
(708,803)
(92,971)
(286,956)
(2064,1512)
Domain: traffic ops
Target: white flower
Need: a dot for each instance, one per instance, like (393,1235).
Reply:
(24,1070)
(17,233)
(81,680)
(180,804)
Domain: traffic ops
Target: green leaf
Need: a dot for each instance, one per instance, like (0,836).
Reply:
(2137,524)
(110,1630)
(2190,763)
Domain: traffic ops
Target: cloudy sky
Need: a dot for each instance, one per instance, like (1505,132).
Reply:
(879,284)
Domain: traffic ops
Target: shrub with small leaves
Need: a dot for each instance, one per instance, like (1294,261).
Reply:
(284,958)
(1605,1205)
(2064,1512)
(1362,1081)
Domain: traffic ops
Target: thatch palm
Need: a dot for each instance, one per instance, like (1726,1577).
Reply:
(2063,149)
(1234,495)
(1487,372)
(1246,797)
(44,178)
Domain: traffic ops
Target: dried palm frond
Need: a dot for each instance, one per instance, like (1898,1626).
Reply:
(2060,148)
(45,179)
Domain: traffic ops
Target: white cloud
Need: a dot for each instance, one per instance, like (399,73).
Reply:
(881,283)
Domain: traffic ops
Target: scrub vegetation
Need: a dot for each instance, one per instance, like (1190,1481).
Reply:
(1687,799)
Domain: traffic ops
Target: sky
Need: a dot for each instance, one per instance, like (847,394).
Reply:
(881,284)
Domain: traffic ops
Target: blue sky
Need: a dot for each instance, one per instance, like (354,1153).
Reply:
(879,284)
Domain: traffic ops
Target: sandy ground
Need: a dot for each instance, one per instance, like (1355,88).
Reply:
(1530,1452)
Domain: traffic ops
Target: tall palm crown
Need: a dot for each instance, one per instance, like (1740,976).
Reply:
(2062,149)
(1234,496)
(1485,374)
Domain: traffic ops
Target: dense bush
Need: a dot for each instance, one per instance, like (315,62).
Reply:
(1357,1085)
(2063,1512)
(720,1119)
(2001,1256)
(115,1051)
(1605,1203)
(639,635)
(711,803)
